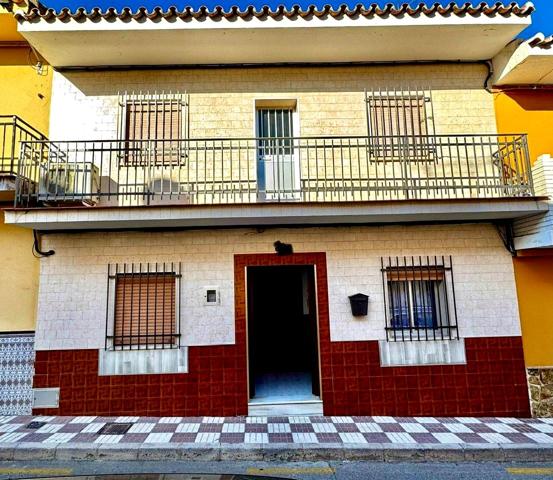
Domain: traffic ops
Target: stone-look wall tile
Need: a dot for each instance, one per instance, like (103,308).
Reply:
(72,297)
(16,373)
(330,100)
(540,382)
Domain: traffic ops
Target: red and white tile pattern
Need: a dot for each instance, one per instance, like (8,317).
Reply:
(274,430)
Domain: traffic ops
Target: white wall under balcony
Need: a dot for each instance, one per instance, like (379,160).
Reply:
(72,297)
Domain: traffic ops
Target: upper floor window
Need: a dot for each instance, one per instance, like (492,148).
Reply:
(153,127)
(143,306)
(400,123)
(420,299)
(275,131)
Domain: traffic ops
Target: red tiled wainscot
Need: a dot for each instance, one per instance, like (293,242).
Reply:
(214,385)
(492,383)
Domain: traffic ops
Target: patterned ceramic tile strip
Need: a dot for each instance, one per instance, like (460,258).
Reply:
(16,373)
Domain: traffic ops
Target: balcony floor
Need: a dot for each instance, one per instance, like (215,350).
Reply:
(275,214)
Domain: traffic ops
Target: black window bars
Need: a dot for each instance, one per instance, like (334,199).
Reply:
(419,298)
(152,127)
(400,124)
(143,306)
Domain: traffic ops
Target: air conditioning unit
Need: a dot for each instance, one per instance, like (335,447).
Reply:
(70,183)
(164,190)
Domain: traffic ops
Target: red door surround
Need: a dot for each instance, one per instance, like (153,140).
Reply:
(241,262)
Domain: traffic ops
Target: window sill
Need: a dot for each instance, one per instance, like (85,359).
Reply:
(142,362)
(431,352)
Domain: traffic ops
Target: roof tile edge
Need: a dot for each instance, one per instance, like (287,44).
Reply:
(541,41)
(372,10)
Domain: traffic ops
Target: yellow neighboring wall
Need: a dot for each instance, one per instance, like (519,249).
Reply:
(531,111)
(534,278)
(19,271)
(24,93)
(527,111)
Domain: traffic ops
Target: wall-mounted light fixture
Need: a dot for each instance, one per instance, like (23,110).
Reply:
(359,304)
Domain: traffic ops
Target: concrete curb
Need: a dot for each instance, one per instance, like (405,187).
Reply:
(375,452)
(34,451)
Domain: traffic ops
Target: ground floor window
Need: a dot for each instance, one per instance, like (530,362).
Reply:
(420,298)
(143,306)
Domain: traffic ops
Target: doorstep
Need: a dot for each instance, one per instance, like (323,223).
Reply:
(283,438)
(285,408)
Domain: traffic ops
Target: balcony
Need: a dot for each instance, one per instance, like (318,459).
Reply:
(291,173)
(13,132)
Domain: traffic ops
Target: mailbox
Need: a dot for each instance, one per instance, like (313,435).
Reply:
(359,304)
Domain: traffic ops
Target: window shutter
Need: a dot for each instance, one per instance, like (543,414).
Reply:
(399,123)
(145,310)
(160,118)
(153,121)
(414,273)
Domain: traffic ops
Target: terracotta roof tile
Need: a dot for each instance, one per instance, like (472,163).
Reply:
(541,41)
(372,10)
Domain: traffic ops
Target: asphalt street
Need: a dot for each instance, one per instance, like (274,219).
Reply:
(298,470)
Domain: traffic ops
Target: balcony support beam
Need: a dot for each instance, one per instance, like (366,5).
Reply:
(275,214)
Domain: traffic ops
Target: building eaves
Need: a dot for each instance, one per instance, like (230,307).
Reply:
(360,10)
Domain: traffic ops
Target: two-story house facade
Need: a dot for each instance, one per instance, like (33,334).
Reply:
(289,211)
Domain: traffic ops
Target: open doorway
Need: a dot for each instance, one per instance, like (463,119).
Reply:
(282,335)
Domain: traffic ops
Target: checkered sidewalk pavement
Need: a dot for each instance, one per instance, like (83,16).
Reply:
(276,430)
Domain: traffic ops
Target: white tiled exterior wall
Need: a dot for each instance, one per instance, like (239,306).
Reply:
(330,99)
(72,298)
(73,283)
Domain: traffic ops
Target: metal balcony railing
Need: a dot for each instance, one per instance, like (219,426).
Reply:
(14,131)
(250,170)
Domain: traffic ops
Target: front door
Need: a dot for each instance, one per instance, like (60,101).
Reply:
(283,334)
(277,162)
